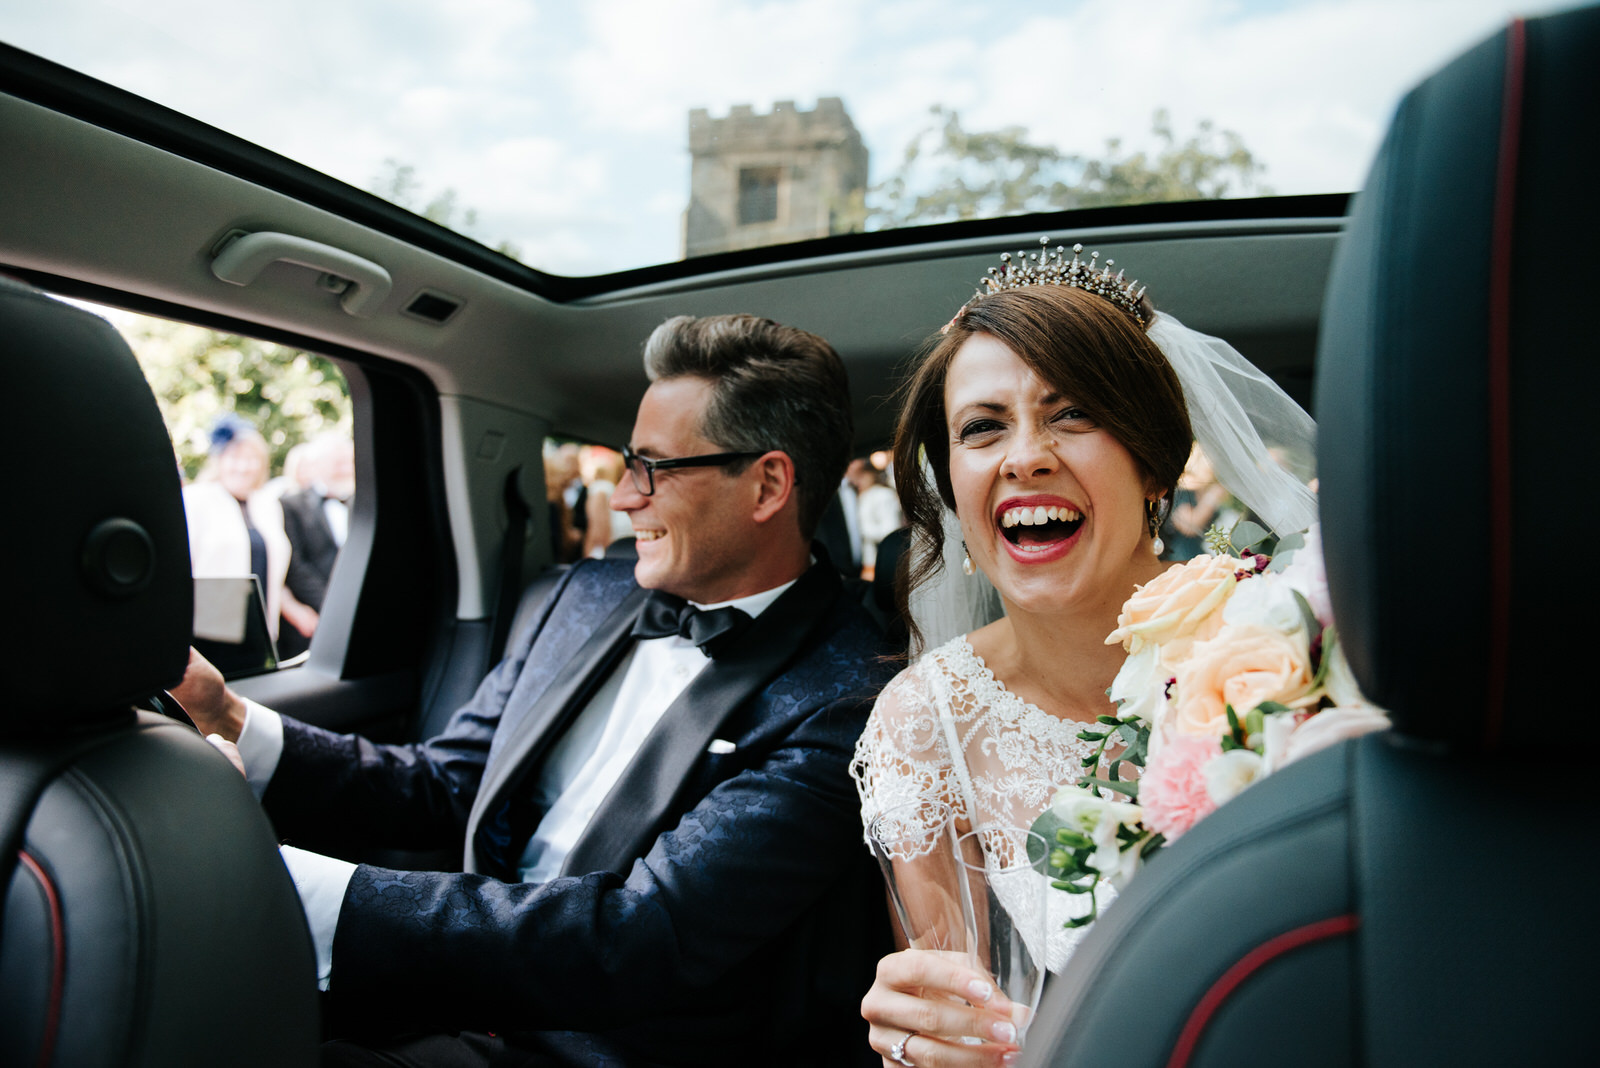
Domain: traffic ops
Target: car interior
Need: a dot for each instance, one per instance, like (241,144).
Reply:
(1369,310)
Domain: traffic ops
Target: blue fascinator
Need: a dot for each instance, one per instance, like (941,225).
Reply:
(225,429)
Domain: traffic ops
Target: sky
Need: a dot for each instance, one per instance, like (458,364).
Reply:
(565,125)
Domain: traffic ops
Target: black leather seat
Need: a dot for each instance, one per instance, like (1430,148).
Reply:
(148,918)
(1423,896)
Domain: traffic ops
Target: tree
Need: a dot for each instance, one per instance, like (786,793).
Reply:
(198,374)
(398,184)
(949,172)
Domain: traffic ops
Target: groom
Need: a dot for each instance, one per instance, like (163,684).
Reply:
(662,848)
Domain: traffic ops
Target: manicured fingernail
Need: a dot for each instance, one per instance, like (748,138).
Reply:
(1012,1057)
(979,991)
(1003,1032)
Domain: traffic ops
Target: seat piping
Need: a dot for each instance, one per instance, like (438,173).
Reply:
(58,956)
(1502,250)
(1247,966)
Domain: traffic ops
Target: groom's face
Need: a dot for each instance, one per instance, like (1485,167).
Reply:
(697,537)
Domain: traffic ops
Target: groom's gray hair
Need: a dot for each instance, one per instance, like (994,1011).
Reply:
(774,387)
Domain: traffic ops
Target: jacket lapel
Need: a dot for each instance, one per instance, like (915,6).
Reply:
(630,817)
(532,735)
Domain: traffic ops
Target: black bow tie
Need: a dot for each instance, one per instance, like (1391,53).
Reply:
(664,615)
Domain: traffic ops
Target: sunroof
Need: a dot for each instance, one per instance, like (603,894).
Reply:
(588,138)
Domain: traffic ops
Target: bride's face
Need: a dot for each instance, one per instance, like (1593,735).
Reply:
(1051,505)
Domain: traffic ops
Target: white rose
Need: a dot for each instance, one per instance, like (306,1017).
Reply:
(1265,601)
(1227,775)
(1140,687)
(1333,725)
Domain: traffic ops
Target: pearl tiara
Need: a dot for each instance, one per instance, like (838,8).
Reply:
(1050,267)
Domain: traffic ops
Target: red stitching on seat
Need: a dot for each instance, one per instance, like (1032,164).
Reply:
(1247,966)
(1502,248)
(58,957)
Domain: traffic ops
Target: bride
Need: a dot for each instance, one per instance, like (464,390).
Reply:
(1051,418)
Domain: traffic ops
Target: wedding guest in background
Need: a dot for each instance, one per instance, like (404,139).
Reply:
(295,474)
(560,470)
(602,469)
(1196,507)
(315,520)
(236,529)
(877,510)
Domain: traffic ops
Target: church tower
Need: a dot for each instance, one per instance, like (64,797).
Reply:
(769,179)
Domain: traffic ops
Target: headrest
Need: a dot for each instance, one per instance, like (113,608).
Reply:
(96,550)
(1456,397)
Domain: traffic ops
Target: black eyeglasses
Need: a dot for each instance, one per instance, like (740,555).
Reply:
(643,469)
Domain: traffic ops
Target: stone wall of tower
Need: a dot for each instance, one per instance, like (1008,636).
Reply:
(799,172)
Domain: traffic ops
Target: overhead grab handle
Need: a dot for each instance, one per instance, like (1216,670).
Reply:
(241,259)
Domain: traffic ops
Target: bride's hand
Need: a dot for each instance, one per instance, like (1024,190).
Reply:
(944,1004)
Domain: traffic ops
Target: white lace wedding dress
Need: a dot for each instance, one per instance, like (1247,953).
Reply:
(945,729)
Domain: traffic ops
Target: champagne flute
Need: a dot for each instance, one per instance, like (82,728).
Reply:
(1005,904)
(914,843)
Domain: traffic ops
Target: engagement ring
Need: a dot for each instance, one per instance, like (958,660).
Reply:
(897,1052)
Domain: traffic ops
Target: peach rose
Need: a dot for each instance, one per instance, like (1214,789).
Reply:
(1242,666)
(1178,607)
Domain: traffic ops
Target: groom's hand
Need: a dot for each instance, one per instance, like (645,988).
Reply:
(214,708)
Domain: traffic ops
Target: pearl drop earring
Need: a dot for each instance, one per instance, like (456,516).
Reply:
(966,559)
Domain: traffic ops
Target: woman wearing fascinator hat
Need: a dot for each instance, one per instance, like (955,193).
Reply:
(1038,448)
(234,528)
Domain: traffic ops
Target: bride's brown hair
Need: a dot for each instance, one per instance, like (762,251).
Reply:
(1084,347)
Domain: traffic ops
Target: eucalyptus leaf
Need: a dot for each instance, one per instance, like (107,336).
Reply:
(1045,826)
(1308,618)
(1246,535)
(1110,784)
(1283,552)
(1330,642)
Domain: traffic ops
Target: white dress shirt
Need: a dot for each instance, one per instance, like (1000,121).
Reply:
(577,774)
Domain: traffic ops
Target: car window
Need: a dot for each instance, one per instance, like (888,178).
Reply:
(261,437)
(583,139)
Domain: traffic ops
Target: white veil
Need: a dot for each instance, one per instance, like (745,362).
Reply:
(1244,424)
(1242,420)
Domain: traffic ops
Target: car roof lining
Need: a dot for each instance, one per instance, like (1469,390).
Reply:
(576,365)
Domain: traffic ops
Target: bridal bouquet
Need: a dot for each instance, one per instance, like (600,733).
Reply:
(1233,671)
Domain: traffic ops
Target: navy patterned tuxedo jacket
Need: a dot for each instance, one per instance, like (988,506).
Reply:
(719,907)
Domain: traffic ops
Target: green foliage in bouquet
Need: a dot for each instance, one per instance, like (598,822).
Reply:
(1088,834)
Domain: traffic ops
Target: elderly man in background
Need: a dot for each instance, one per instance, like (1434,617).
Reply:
(315,520)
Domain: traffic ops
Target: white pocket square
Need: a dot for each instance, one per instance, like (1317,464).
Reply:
(720,745)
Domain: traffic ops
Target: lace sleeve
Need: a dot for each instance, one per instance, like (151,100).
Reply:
(902,755)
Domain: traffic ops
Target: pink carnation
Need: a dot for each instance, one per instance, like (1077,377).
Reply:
(1172,789)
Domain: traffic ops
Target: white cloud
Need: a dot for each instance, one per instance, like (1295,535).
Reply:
(565,126)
